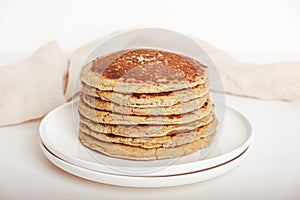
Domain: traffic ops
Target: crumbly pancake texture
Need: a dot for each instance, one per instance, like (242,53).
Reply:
(155,142)
(176,109)
(145,130)
(143,71)
(139,153)
(106,117)
(148,99)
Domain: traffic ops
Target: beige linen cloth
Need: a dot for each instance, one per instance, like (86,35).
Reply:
(33,87)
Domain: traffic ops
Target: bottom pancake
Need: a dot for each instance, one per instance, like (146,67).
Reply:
(183,137)
(139,153)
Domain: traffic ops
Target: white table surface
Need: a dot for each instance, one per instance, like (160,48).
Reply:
(271,170)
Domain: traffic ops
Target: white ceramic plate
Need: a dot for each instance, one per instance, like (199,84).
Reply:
(135,181)
(58,132)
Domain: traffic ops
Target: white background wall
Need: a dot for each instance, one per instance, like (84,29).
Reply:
(241,27)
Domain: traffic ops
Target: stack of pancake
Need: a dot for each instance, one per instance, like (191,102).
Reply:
(145,104)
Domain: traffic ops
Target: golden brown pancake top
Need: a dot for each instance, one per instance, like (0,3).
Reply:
(148,65)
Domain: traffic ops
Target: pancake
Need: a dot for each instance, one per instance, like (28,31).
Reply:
(148,99)
(176,109)
(155,142)
(106,117)
(145,130)
(143,71)
(145,104)
(139,153)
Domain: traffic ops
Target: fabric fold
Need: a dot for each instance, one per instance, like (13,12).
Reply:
(33,87)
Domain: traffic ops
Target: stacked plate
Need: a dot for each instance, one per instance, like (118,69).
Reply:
(60,144)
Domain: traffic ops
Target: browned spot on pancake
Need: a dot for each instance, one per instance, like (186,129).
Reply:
(174,132)
(179,132)
(174,116)
(148,65)
(141,95)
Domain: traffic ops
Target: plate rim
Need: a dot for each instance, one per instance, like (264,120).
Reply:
(145,181)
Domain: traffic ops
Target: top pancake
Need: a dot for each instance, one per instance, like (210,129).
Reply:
(143,71)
